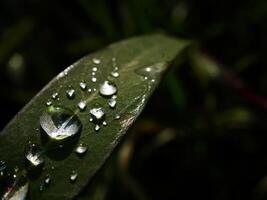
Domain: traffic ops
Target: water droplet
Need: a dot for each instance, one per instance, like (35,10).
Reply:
(151,71)
(105,123)
(55,96)
(81,149)
(73,176)
(82,105)
(60,123)
(94,89)
(47,179)
(96,61)
(91,119)
(34,155)
(117,117)
(94,79)
(94,69)
(107,88)
(89,90)
(49,103)
(112,103)
(83,85)
(115,74)
(70,93)
(98,114)
(97,127)
(93,73)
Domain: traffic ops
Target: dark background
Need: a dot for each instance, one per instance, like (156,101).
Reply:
(202,135)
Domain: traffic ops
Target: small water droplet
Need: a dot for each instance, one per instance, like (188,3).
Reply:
(89,90)
(34,155)
(107,88)
(151,71)
(94,79)
(117,117)
(47,179)
(83,85)
(48,103)
(98,114)
(97,127)
(60,123)
(105,123)
(94,69)
(55,96)
(96,61)
(91,119)
(112,103)
(82,105)
(73,176)
(94,89)
(70,93)
(81,149)
(93,73)
(115,74)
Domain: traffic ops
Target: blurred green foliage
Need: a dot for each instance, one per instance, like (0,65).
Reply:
(203,134)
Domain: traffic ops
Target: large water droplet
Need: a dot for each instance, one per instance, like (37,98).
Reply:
(60,123)
(34,155)
(73,176)
(81,149)
(98,114)
(107,88)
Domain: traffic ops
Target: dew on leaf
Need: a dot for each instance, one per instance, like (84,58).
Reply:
(73,176)
(97,114)
(112,103)
(96,61)
(82,105)
(107,88)
(34,155)
(55,96)
(60,123)
(83,85)
(70,93)
(81,149)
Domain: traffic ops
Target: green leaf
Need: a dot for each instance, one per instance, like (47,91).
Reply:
(135,84)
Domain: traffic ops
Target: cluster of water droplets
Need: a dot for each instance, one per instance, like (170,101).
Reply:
(59,124)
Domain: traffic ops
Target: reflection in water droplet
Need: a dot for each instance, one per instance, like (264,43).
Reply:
(112,103)
(55,96)
(70,93)
(107,88)
(34,155)
(73,176)
(98,114)
(83,85)
(97,127)
(60,123)
(93,79)
(81,149)
(115,74)
(82,105)
(96,61)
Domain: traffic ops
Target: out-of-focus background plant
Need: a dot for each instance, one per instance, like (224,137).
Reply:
(204,132)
